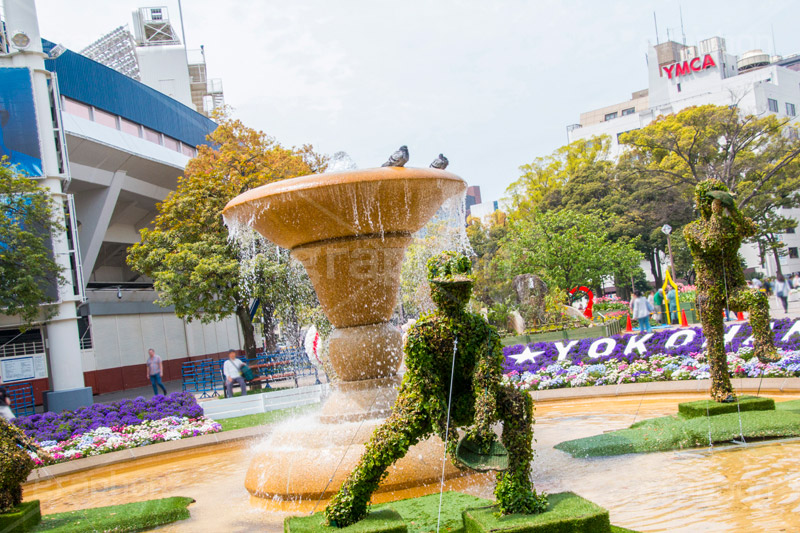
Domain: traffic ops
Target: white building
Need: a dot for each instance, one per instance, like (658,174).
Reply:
(684,76)
(111,148)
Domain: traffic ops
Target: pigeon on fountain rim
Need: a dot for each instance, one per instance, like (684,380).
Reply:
(398,159)
(440,162)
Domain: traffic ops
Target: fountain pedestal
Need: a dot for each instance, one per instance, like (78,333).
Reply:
(350,230)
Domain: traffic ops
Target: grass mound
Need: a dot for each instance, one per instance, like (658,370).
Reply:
(136,516)
(385,520)
(419,515)
(566,513)
(678,432)
(712,408)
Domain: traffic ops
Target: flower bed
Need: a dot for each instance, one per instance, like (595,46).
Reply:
(673,354)
(102,440)
(690,342)
(68,424)
(658,367)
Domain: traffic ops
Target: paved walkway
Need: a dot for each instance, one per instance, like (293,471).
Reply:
(176,386)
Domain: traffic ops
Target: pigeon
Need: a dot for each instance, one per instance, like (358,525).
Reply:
(398,159)
(440,162)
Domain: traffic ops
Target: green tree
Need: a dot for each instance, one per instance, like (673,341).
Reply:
(547,175)
(485,237)
(187,253)
(28,222)
(568,248)
(755,157)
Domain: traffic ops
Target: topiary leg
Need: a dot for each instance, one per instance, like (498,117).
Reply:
(407,424)
(514,491)
(756,303)
(714,330)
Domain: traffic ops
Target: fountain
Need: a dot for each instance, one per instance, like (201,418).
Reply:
(350,230)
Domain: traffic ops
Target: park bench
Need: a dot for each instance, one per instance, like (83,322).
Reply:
(22,400)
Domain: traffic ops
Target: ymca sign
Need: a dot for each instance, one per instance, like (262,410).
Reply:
(687,67)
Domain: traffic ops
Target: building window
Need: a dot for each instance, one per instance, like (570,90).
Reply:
(793,253)
(172,144)
(152,136)
(679,87)
(77,109)
(131,128)
(772,104)
(106,119)
(610,116)
(790,109)
(789,230)
(628,111)
(188,150)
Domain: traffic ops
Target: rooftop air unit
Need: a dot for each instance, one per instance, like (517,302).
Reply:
(712,45)
(752,59)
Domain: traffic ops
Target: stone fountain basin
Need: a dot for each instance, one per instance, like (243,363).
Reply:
(342,205)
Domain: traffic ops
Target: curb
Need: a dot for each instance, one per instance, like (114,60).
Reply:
(655,387)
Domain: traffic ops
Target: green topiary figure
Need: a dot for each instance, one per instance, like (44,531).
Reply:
(15,464)
(479,399)
(714,241)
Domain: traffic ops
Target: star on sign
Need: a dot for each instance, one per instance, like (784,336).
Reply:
(527,355)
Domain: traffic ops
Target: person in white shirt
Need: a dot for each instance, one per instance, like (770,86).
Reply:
(5,405)
(782,291)
(232,370)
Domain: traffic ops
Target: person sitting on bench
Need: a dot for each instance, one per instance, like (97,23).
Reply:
(232,371)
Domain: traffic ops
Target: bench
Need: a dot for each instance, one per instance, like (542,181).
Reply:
(22,400)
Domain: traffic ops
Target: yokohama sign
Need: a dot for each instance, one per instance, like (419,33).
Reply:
(687,67)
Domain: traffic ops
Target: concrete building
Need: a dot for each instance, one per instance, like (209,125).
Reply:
(154,55)
(111,149)
(682,76)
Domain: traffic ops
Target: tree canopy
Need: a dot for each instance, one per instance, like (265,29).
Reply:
(756,157)
(28,271)
(567,249)
(187,253)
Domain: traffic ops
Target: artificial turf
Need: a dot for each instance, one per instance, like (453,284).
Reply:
(678,432)
(138,516)
(420,515)
(566,513)
(702,408)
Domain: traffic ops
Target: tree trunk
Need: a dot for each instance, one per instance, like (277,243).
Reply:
(270,339)
(777,256)
(247,330)
(655,267)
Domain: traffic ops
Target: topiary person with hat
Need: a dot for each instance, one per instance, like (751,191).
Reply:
(451,342)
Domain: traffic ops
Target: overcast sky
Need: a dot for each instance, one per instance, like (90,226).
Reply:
(491,84)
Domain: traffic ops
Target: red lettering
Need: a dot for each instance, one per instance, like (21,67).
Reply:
(682,68)
(708,61)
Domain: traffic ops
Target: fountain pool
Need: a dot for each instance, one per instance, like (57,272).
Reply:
(741,489)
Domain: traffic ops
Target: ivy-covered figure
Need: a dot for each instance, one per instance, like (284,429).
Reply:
(714,240)
(15,463)
(479,400)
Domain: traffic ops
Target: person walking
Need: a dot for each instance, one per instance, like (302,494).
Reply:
(672,300)
(796,281)
(155,368)
(233,373)
(658,303)
(782,291)
(640,309)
